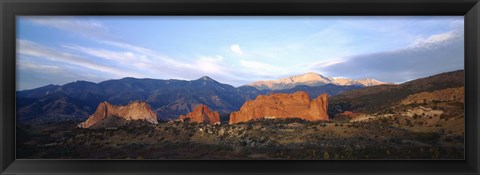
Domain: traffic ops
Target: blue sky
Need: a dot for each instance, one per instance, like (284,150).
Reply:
(235,50)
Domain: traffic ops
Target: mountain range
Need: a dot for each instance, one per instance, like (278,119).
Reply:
(172,98)
(311,79)
(168,98)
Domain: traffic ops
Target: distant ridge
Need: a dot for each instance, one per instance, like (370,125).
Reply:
(376,98)
(311,79)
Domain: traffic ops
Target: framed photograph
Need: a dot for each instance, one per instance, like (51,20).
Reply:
(239,87)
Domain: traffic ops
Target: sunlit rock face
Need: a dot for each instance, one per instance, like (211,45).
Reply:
(133,111)
(296,105)
(201,114)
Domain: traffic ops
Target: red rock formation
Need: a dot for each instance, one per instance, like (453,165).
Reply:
(201,114)
(133,111)
(296,105)
(348,114)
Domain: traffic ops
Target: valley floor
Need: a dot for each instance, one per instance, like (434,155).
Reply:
(383,136)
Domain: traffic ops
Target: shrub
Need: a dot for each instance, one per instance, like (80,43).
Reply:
(326,156)
(415,116)
(408,122)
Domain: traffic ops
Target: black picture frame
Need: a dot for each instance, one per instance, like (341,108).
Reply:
(9,9)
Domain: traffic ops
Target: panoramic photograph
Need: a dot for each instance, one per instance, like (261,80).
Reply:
(240,87)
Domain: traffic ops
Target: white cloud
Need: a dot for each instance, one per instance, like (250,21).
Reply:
(328,63)
(236,49)
(152,57)
(155,65)
(425,42)
(216,58)
(84,27)
(133,60)
(124,56)
(128,59)
(210,64)
(68,23)
(144,61)
(261,69)
(41,68)
(30,48)
(158,64)
(282,51)
(424,57)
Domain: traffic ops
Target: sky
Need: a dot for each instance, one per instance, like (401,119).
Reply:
(235,50)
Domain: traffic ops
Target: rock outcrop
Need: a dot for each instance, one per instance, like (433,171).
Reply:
(201,114)
(346,116)
(133,111)
(296,105)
